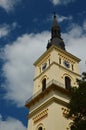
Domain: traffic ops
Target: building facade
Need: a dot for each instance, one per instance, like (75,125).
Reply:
(55,72)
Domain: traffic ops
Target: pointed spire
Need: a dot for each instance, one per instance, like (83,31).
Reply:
(55,20)
(56,35)
(55,23)
(55,30)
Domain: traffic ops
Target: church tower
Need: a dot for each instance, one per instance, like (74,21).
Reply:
(55,71)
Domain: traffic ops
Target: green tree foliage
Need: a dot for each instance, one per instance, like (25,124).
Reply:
(77,105)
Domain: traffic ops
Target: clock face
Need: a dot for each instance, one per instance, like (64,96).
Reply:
(67,64)
(44,66)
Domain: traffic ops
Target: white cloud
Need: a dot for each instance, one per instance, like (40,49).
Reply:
(11,123)
(62,18)
(5,29)
(19,57)
(9,5)
(65,2)
(55,2)
(0,117)
(84,25)
(18,68)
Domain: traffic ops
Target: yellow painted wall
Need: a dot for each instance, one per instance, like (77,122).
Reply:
(54,69)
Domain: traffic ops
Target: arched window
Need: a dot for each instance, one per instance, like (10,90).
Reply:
(67,83)
(40,128)
(43,84)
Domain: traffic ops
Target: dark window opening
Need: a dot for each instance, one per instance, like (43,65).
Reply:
(67,83)
(44,84)
(40,128)
(59,60)
(40,69)
(49,61)
(72,67)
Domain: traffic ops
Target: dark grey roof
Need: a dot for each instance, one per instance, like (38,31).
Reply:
(56,36)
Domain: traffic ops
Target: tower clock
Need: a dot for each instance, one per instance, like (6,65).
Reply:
(55,72)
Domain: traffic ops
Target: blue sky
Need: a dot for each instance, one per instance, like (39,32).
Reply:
(24,33)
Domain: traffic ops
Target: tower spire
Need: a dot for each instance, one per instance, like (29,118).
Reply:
(55,30)
(56,35)
(54,20)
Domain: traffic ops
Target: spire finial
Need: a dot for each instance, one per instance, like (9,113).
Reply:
(54,14)
(55,22)
(56,35)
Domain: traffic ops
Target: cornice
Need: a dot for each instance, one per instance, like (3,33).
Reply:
(52,87)
(46,105)
(58,49)
(59,66)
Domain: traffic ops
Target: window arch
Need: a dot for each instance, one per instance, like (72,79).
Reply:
(40,128)
(67,83)
(43,84)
